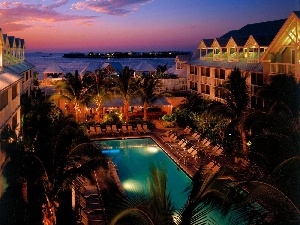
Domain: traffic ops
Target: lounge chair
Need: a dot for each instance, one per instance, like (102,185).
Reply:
(114,129)
(108,129)
(146,129)
(181,142)
(92,130)
(183,145)
(208,168)
(98,130)
(194,134)
(130,129)
(215,168)
(218,152)
(167,133)
(124,129)
(140,128)
(186,129)
(209,150)
(169,137)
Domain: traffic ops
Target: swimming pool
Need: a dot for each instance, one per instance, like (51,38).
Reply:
(134,158)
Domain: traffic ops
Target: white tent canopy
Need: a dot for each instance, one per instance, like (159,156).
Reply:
(144,66)
(53,69)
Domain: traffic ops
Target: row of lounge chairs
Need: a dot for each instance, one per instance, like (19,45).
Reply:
(113,129)
(189,146)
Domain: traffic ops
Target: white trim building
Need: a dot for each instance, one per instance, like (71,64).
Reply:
(16,78)
(260,50)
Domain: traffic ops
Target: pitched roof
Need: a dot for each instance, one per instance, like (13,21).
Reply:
(263,40)
(115,65)
(223,41)
(91,67)
(144,66)
(269,28)
(183,57)
(8,78)
(208,42)
(20,67)
(54,68)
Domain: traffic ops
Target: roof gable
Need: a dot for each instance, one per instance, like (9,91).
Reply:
(206,43)
(284,37)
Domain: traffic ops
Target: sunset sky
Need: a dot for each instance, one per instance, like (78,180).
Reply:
(131,25)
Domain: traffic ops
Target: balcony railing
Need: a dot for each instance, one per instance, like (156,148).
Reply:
(7,112)
(283,68)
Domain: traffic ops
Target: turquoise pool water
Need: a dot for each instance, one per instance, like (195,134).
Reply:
(134,157)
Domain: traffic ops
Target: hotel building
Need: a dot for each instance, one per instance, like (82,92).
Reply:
(16,78)
(260,50)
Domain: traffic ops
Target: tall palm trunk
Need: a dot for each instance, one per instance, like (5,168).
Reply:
(244,142)
(99,112)
(24,190)
(145,111)
(125,110)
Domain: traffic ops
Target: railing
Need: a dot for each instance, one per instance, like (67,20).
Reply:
(283,68)
(218,82)
(252,60)
(254,88)
(204,80)
(7,112)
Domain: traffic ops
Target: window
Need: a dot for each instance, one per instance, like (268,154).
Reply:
(14,91)
(257,79)
(207,72)
(192,69)
(3,99)
(217,74)
(222,74)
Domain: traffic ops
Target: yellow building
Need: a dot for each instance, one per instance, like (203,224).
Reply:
(260,50)
(16,78)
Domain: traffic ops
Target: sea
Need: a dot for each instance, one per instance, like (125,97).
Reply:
(41,61)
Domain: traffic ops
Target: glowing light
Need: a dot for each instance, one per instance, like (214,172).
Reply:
(151,149)
(132,185)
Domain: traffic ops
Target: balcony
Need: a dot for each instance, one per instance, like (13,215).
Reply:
(283,68)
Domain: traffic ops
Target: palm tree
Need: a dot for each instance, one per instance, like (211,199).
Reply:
(236,95)
(127,87)
(154,206)
(41,191)
(73,90)
(282,88)
(266,204)
(101,90)
(147,92)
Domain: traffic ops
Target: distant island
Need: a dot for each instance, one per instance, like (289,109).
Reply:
(160,54)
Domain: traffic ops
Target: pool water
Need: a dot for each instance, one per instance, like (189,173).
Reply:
(134,157)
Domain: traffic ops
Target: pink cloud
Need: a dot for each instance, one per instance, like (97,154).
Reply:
(16,16)
(112,7)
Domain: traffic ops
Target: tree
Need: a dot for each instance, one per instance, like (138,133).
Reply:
(100,87)
(39,192)
(73,90)
(236,95)
(127,87)
(147,92)
(154,206)
(282,88)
